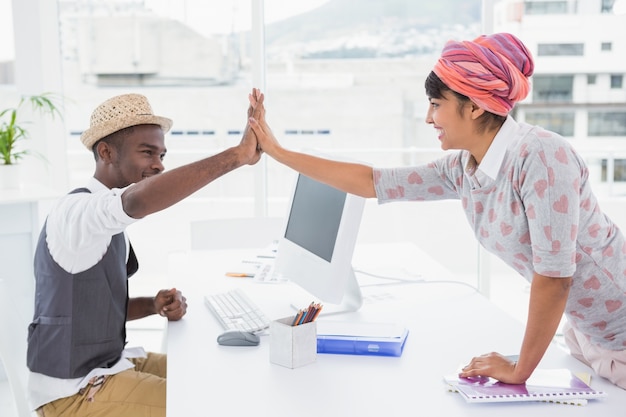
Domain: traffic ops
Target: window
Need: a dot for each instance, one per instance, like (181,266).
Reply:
(7,50)
(606,46)
(545,7)
(606,123)
(607,6)
(555,121)
(617,81)
(553,88)
(591,79)
(111,44)
(561,49)
(196,60)
(619,170)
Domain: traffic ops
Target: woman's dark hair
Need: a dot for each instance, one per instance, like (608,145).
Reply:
(435,89)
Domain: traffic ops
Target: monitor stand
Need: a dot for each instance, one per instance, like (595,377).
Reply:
(351,302)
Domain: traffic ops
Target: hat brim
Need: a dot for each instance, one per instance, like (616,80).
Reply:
(92,135)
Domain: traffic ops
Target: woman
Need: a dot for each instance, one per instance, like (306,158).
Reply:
(526,194)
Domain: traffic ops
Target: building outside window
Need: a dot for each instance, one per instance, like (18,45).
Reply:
(619,170)
(607,6)
(553,88)
(561,49)
(607,123)
(617,81)
(545,7)
(561,122)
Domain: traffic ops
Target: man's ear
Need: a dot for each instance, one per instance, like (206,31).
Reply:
(104,151)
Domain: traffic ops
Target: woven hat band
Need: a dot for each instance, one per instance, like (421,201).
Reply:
(118,113)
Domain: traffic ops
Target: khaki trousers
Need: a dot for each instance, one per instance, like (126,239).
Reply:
(138,392)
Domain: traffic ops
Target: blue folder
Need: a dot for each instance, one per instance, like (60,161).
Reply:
(358,338)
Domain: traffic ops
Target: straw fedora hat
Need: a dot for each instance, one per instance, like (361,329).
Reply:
(118,113)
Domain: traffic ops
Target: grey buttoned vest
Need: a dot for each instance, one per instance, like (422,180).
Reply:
(80,319)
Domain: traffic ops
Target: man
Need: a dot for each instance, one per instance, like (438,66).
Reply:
(76,354)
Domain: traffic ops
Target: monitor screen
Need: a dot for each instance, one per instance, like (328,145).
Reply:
(316,248)
(314,218)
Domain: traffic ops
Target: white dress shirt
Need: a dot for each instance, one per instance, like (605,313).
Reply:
(79,230)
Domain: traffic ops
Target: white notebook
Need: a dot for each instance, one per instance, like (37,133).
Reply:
(554,385)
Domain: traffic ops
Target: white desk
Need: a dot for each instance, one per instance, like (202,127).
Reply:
(448,324)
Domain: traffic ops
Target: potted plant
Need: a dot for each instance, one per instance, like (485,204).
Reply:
(14,130)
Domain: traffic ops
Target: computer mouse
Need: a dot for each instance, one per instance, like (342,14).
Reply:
(238,338)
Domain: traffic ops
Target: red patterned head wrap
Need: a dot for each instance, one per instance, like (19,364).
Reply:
(492,70)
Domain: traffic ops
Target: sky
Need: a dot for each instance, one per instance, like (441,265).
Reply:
(211,17)
(206,17)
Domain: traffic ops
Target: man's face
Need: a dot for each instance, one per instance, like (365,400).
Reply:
(140,155)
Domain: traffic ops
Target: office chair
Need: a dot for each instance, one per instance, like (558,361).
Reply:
(233,233)
(14,320)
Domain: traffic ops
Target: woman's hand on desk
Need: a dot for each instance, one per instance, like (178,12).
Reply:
(493,365)
(171,304)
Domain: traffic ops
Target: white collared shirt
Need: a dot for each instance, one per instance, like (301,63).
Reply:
(493,158)
(80,226)
(79,230)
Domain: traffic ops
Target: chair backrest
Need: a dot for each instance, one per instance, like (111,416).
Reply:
(15,314)
(232,233)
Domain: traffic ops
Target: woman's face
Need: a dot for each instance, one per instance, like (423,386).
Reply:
(453,121)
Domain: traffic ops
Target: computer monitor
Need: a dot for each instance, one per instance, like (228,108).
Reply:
(316,248)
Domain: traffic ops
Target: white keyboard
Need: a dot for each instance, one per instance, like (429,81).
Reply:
(235,311)
(266,273)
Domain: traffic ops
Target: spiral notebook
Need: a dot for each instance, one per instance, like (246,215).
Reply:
(552,385)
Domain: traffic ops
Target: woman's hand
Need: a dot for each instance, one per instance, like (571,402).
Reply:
(492,365)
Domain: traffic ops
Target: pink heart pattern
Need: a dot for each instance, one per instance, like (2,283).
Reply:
(586,302)
(539,215)
(586,204)
(561,205)
(523,151)
(521,257)
(577,314)
(594,229)
(612,305)
(600,325)
(540,187)
(561,156)
(505,229)
(415,178)
(608,251)
(395,193)
(524,239)
(592,283)
(437,190)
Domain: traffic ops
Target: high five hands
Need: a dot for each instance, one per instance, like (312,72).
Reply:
(266,141)
(249,142)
